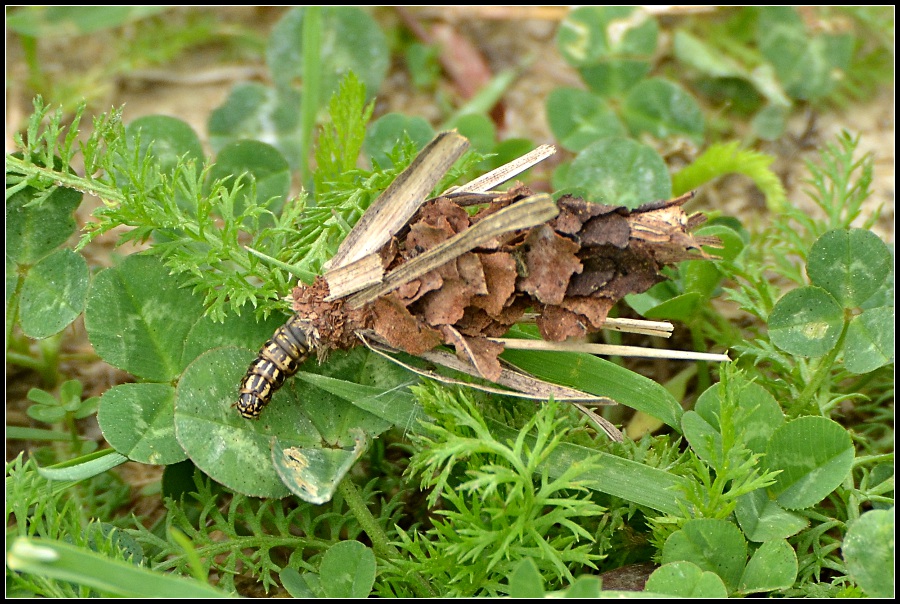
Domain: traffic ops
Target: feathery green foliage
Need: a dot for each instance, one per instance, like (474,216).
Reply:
(498,507)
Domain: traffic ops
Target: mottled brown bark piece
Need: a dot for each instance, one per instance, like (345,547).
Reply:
(400,328)
(551,261)
(499,270)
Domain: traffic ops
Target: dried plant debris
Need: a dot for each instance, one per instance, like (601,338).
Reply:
(569,271)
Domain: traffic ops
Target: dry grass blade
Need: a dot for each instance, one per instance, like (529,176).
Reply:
(507,171)
(660,329)
(393,208)
(611,350)
(522,215)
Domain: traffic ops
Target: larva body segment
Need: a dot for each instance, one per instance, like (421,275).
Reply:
(278,359)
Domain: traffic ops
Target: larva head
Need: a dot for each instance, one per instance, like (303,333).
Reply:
(250,405)
(256,392)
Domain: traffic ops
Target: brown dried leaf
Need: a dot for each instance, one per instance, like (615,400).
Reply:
(636,272)
(424,236)
(499,270)
(476,322)
(410,290)
(443,211)
(611,229)
(480,352)
(470,269)
(597,272)
(550,262)
(445,306)
(574,212)
(595,309)
(417,288)
(514,312)
(557,324)
(400,328)
(567,223)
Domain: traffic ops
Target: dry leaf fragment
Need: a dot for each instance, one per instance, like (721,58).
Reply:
(444,210)
(499,270)
(480,352)
(595,308)
(470,269)
(597,272)
(611,229)
(400,328)
(557,324)
(551,261)
(571,270)
(445,306)
(424,236)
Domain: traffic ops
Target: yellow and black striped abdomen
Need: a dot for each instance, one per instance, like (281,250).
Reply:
(278,359)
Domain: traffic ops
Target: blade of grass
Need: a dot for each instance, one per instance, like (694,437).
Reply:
(85,466)
(65,562)
(600,377)
(20,433)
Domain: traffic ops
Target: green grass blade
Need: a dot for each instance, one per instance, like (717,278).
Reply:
(85,466)
(600,377)
(65,562)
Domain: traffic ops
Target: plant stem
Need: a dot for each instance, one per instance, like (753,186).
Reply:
(380,541)
(312,84)
(704,381)
(49,370)
(823,370)
(72,181)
